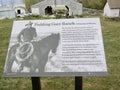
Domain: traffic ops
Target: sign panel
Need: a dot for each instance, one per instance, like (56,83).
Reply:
(62,47)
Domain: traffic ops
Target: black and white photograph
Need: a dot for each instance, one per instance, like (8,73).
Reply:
(30,49)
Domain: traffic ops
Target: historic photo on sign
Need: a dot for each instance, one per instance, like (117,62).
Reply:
(56,48)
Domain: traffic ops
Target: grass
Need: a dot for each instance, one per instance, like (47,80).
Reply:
(111,37)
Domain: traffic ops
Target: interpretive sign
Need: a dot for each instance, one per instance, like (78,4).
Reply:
(58,47)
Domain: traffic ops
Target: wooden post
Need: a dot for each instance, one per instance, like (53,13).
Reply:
(36,85)
(78,83)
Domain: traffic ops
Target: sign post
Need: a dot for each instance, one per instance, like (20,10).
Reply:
(64,47)
(78,83)
(36,84)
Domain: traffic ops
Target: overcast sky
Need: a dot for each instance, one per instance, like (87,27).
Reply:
(7,2)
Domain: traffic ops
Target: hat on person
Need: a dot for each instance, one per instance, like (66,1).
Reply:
(30,23)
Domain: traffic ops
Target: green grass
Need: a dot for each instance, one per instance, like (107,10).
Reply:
(111,36)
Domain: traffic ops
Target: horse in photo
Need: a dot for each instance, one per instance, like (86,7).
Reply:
(33,55)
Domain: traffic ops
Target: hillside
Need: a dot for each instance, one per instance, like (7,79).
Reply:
(31,2)
(94,4)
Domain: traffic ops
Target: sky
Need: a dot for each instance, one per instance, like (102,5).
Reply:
(7,2)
